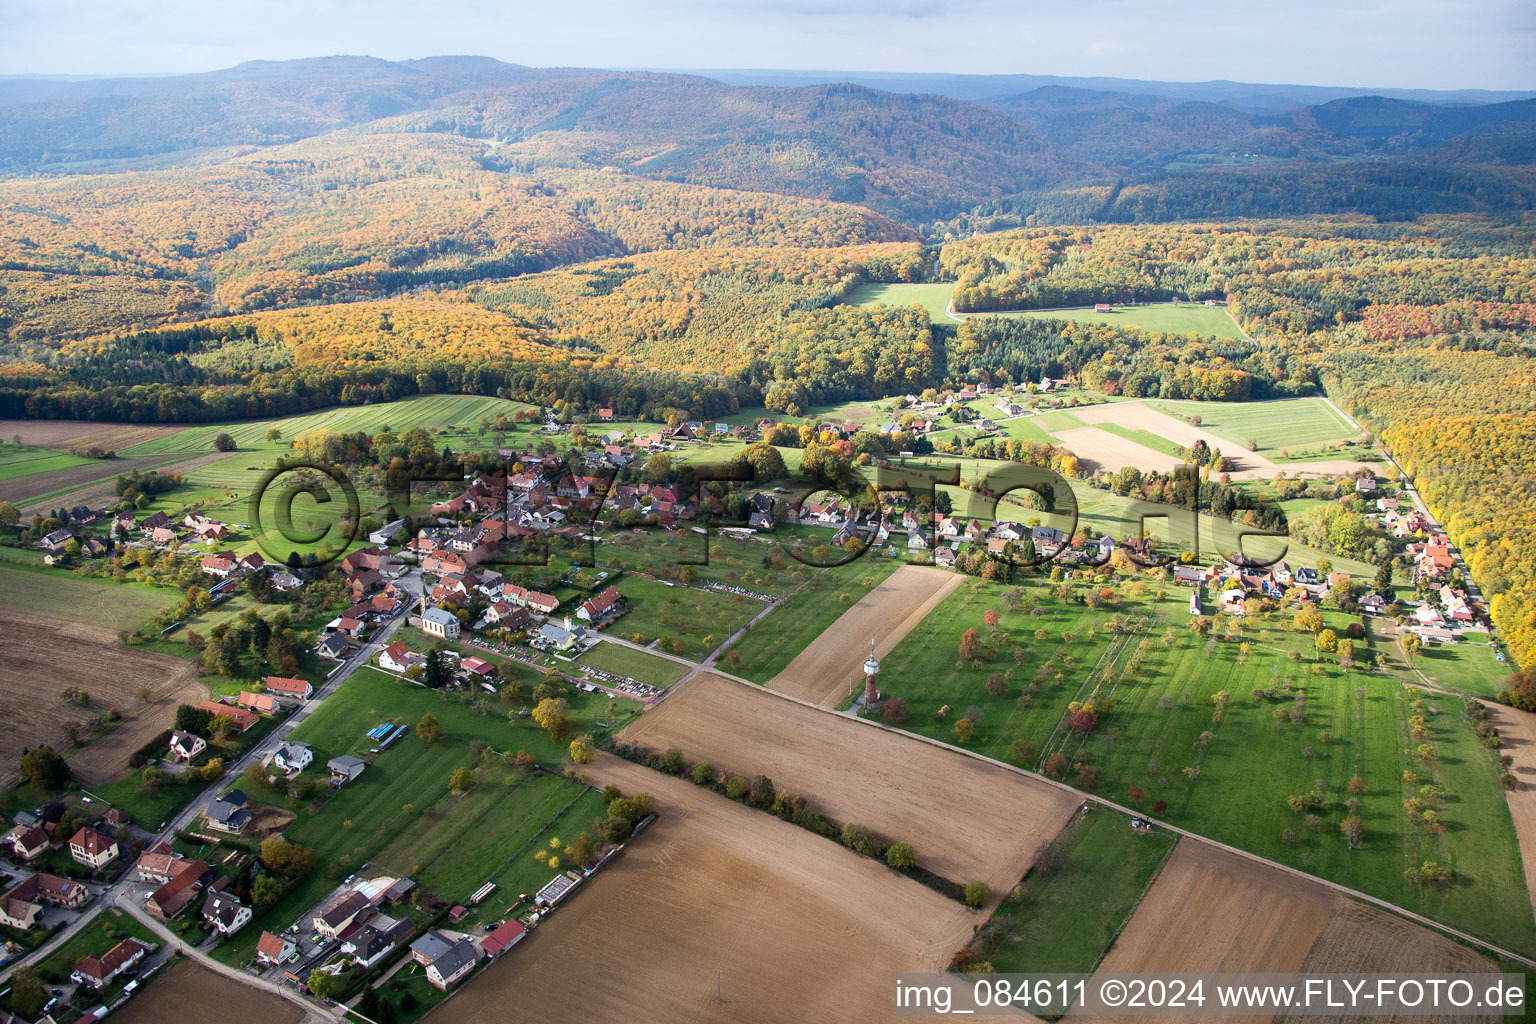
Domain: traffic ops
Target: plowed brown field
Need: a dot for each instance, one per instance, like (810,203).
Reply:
(968,820)
(43,656)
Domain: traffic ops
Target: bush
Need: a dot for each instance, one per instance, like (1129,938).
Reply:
(736,787)
(861,840)
(901,857)
(703,774)
(977,894)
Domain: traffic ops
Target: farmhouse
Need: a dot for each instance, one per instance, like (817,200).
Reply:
(600,608)
(340,912)
(92,849)
(286,686)
(185,745)
(399,658)
(239,717)
(28,841)
(176,894)
(96,971)
(228,813)
(261,703)
(225,914)
(292,758)
(450,965)
(436,622)
(275,949)
(24,901)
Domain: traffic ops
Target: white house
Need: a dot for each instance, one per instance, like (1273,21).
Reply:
(293,757)
(225,914)
(185,745)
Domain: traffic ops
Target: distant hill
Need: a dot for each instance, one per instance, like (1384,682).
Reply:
(1245,96)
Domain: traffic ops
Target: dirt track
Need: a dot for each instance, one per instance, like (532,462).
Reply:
(45,655)
(795,927)
(832,664)
(1110,451)
(968,820)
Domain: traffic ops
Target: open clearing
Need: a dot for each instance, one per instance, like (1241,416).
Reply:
(187,992)
(794,926)
(968,820)
(45,655)
(832,665)
(1166,317)
(933,297)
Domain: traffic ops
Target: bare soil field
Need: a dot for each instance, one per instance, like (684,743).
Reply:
(795,927)
(968,820)
(1517,730)
(46,655)
(68,434)
(1361,938)
(1111,452)
(187,992)
(1213,911)
(833,663)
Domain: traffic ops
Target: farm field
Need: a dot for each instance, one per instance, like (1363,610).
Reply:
(45,655)
(793,926)
(768,647)
(1224,425)
(934,297)
(1519,735)
(1070,914)
(1229,779)
(79,482)
(22,460)
(626,661)
(185,991)
(1164,317)
(832,665)
(1213,911)
(1210,910)
(58,592)
(1288,423)
(67,434)
(968,820)
(439,411)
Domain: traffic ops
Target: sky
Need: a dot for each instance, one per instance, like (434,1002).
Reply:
(1440,44)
